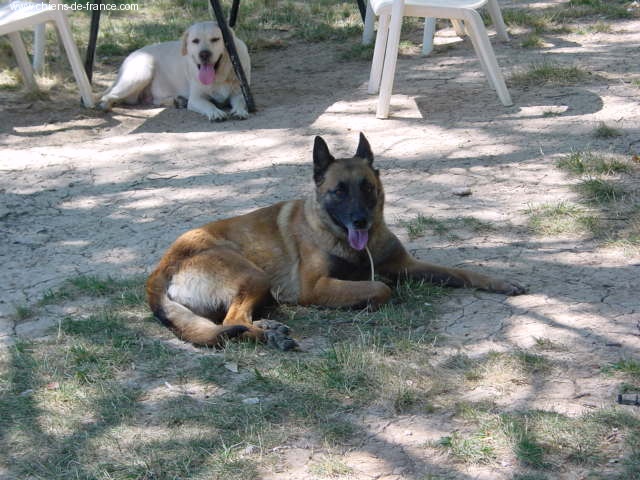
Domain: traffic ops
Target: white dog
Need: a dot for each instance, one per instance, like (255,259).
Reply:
(196,70)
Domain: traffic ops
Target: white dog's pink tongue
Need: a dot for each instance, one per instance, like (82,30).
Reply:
(206,74)
(358,238)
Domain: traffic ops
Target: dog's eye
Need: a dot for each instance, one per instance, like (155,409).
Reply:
(195,40)
(367,187)
(214,40)
(340,191)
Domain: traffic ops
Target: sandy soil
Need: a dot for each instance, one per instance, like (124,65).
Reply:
(94,194)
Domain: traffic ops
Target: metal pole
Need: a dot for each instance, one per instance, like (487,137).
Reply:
(93,39)
(233,16)
(363,8)
(227,37)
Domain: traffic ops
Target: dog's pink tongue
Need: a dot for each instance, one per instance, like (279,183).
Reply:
(358,238)
(206,74)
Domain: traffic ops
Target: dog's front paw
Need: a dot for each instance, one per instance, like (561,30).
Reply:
(508,287)
(104,106)
(180,102)
(216,115)
(276,335)
(239,113)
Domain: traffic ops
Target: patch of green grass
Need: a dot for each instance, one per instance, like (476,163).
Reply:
(605,131)
(10,79)
(598,191)
(532,363)
(627,366)
(548,344)
(532,41)
(600,27)
(631,463)
(337,431)
(530,476)
(24,312)
(561,218)
(498,369)
(114,395)
(538,439)
(36,95)
(315,22)
(523,443)
(356,51)
(330,466)
(549,74)
(421,225)
(616,9)
(405,400)
(538,22)
(627,239)
(629,388)
(129,291)
(474,449)
(590,163)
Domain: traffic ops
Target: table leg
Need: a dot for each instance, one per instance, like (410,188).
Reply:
(93,39)
(227,37)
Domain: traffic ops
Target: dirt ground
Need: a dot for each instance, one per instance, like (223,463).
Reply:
(94,194)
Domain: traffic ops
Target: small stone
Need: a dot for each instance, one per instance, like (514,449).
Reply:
(461,192)
(251,401)
(250,450)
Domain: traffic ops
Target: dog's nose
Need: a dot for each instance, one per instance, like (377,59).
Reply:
(360,223)
(205,55)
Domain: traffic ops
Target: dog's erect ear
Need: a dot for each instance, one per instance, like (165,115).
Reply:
(364,149)
(322,158)
(185,37)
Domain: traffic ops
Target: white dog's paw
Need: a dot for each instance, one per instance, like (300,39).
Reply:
(104,105)
(239,113)
(216,115)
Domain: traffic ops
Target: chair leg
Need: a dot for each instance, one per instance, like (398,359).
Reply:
(459,27)
(23,60)
(64,32)
(378,54)
(369,21)
(498,21)
(39,40)
(390,59)
(427,35)
(480,39)
(483,63)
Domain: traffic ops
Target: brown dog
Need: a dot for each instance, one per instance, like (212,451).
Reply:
(312,251)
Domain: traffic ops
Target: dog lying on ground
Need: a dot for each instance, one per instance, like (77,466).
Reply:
(314,251)
(191,72)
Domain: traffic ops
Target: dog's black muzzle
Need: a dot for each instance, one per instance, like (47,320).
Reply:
(204,56)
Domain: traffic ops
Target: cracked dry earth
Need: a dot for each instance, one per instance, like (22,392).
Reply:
(84,193)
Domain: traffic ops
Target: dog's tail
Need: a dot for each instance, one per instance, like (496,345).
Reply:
(184,323)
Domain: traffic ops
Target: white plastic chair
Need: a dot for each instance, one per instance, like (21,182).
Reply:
(465,18)
(18,16)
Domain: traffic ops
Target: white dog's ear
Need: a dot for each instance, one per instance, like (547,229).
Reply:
(225,67)
(185,36)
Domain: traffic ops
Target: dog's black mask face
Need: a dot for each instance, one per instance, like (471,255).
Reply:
(349,190)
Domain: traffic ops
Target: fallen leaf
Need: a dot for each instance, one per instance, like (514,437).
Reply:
(231,366)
